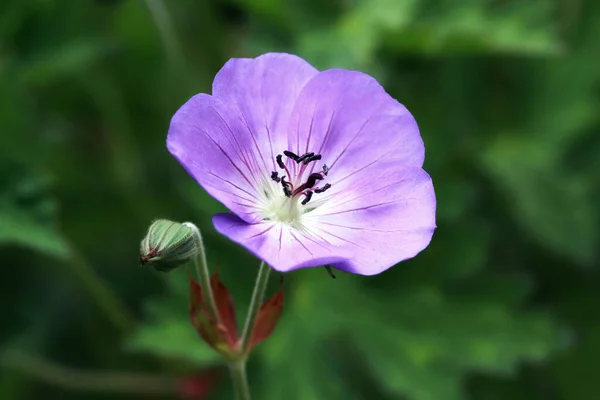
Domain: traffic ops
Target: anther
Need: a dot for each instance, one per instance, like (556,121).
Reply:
(307,197)
(275,176)
(325,169)
(316,157)
(280,161)
(312,180)
(291,155)
(305,157)
(324,188)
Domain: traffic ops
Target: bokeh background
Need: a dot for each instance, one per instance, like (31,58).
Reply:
(504,303)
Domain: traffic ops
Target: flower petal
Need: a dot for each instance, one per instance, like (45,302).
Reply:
(388,219)
(264,91)
(279,245)
(210,142)
(348,118)
(228,141)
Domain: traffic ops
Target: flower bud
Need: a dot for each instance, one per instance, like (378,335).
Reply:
(168,245)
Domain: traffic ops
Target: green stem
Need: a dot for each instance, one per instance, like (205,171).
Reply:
(87,380)
(201,266)
(167,33)
(258,295)
(106,299)
(240,381)
(238,367)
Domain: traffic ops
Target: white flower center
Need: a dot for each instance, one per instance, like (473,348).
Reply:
(278,207)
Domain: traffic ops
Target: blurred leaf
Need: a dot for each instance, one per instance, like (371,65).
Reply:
(28,212)
(477,26)
(457,251)
(458,194)
(87,93)
(578,302)
(419,27)
(418,343)
(557,209)
(70,58)
(297,352)
(169,334)
(425,357)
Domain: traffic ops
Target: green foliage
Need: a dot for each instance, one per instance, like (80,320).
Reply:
(503,302)
(28,212)
(557,207)
(419,342)
(167,334)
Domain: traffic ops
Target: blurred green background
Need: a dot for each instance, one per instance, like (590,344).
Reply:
(504,303)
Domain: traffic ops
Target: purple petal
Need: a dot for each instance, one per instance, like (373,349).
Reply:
(209,141)
(226,141)
(380,208)
(264,91)
(348,118)
(280,246)
(388,218)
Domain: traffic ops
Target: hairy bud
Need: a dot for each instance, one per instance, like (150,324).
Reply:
(169,244)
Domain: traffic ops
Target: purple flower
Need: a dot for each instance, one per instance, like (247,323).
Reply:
(316,167)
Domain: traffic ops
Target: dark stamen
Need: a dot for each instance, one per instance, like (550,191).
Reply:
(324,188)
(312,180)
(280,161)
(275,176)
(291,155)
(305,157)
(312,158)
(307,197)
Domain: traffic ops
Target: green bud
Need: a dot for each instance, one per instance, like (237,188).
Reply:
(169,244)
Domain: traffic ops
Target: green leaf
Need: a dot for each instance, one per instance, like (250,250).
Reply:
(413,25)
(573,370)
(556,208)
(168,333)
(292,360)
(463,249)
(419,342)
(429,342)
(28,211)
(70,58)
(297,356)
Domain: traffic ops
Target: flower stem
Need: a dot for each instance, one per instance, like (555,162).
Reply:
(240,381)
(201,266)
(104,297)
(167,33)
(257,298)
(238,367)
(87,380)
